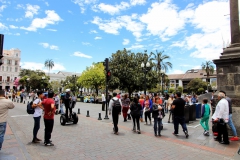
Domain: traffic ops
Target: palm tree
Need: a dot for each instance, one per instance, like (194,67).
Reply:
(208,68)
(160,64)
(49,64)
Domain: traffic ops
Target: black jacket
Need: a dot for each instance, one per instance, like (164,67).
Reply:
(135,109)
(155,111)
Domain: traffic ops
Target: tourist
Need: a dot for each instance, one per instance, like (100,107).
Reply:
(221,116)
(125,105)
(147,109)
(115,108)
(178,106)
(5,104)
(205,117)
(49,111)
(157,114)
(141,101)
(38,109)
(136,109)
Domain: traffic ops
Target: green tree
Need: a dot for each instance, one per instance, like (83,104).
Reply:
(49,64)
(195,84)
(180,89)
(93,77)
(208,68)
(34,79)
(127,73)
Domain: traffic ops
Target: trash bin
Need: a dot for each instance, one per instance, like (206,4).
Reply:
(198,110)
(81,98)
(192,112)
(186,113)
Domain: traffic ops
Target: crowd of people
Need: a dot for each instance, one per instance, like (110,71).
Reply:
(154,106)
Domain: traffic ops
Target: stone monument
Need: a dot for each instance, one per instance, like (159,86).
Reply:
(228,65)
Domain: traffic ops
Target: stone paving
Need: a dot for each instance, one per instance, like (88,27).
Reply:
(93,139)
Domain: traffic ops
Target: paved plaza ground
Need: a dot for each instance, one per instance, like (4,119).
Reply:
(93,139)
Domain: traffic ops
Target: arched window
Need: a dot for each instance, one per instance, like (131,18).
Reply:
(16,69)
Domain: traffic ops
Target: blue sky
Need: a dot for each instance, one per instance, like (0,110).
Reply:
(76,33)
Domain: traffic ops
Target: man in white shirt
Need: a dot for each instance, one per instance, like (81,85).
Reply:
(221,116)
(103,102)
(37,105)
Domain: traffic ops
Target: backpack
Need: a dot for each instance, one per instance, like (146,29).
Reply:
(116,106)
(30,110)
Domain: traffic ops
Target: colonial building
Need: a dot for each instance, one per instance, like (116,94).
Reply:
(183,79)
(9,71)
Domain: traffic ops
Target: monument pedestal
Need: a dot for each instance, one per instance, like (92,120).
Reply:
(228,79)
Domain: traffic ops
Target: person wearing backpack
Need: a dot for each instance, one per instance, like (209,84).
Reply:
(115,108)
(136,109)
(38,107)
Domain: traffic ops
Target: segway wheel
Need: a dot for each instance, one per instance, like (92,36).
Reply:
(75,118)
(63,120)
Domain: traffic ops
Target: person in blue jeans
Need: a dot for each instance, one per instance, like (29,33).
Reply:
(178,106)
(38,107)
(5,104)
(157,115)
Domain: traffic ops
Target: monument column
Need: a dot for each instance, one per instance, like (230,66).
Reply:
(228,65)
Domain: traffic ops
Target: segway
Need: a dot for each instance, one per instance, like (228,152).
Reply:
(73,118)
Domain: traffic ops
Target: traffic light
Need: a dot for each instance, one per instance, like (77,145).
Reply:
(109,75)
(1,48)
(105,63)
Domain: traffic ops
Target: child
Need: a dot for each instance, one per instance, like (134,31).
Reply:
(205,117)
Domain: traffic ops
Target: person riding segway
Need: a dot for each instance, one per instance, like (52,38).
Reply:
(72,116)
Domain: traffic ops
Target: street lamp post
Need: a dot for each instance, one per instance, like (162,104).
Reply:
(28,84)
(145,67)
(74,83)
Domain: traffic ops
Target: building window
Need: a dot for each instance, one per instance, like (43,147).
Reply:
(9,62)
(7,68)
(16,69)
(16,63)
(16,54)
(8,79)
(177,81)
(10,69)
(0,78)
(2,68)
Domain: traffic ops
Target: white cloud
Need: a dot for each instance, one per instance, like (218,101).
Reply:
(13,27)
(196,67)
(32,65)
(31,10)
(135,47)
(3,27)
(53,30)
(17,34)
(163,19)
(93,31)
(113,9)
(125,41)
(79,54)
(50,19)
(97,38)
(178,44)
(47,4)
(86,43)
(46,45)
(53,47)
(113,26)
(40,66)
(137,2)
(83,3)
(2,7)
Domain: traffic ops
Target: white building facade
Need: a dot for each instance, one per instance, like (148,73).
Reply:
(10,69)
